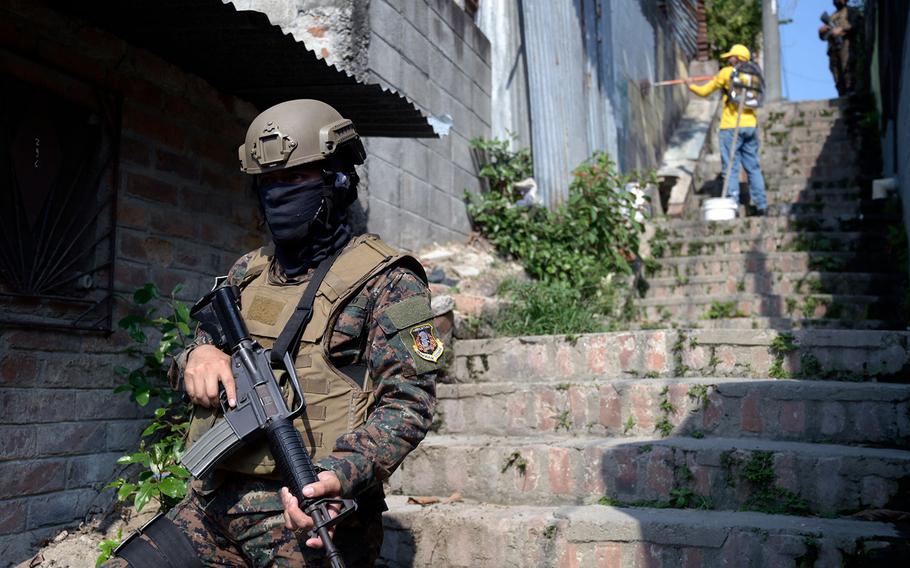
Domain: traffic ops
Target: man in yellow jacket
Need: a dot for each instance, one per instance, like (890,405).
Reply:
(746,152)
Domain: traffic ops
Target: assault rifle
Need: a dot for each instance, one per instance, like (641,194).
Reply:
(261,407)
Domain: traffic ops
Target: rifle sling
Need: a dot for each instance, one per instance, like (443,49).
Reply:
(289,340)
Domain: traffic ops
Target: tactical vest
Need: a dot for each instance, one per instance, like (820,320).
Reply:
(338,400)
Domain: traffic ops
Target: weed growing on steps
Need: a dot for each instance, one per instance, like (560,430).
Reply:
(563,421)
(723,310)
(809,366)
(628,424)
(767,496)
(515,460)
(664,425)
(679,346)
(781,346)
(699,393)
(438,421)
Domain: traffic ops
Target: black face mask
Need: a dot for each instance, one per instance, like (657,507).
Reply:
(308,221)
(291,209)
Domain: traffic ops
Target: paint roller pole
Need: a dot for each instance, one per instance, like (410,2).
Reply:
(732,153)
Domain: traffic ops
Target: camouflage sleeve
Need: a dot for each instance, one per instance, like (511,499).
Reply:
(178,363)
(403,374)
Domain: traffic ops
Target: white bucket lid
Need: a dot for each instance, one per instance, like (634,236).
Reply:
(720,203)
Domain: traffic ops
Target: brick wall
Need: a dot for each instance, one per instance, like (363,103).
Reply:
(431,52)
(184,214)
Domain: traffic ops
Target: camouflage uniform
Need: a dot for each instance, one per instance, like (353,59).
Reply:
(237,520)
(840,51)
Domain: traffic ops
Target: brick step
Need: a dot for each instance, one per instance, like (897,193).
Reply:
(791,241)
(825,209)
(737,264)
(847,307)
(769,283)
(470,534)
(719,473)
(780,324)
(835,354)
(796,193)
(753,226)
(809,411)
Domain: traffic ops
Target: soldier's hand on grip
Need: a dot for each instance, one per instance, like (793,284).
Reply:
(295,519)
(206,368)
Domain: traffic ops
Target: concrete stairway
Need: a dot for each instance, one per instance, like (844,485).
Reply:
(822,258)
(690,445)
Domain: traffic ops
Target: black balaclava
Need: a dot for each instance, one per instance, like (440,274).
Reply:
(308,221)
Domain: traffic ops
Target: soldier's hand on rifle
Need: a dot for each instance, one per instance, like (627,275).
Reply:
(206,367)
(823,29)
(295,519)
(837,32)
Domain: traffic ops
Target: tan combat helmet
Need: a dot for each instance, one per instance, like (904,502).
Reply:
(298,132)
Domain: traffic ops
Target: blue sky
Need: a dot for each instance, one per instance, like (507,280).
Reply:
(804,59)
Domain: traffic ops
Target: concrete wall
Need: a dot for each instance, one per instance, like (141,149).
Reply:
(184,213)
(431,52)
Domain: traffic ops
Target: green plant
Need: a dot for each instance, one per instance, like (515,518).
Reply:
(515,459)
(161,476)
(542,308)
(563,421)
(502,167)
(723,310)
(155,338)
(699,393)
(766,496)
(731,22)
(107,548)
(628,424)
(664,426)
(580,241)
(685,498)
(809,366)
(780,347)
(659,243)
(698,434)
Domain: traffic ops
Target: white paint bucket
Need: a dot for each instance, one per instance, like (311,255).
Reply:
(719,209)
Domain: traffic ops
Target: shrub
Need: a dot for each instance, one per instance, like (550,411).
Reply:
(579,242)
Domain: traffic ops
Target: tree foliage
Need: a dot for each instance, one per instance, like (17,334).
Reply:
(731,22)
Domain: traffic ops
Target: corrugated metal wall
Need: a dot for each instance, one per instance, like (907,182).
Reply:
(585,61)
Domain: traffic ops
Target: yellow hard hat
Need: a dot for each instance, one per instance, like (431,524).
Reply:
(738,50)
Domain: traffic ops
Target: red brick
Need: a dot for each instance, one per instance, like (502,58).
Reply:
(151,188)
(137,120)
(71,438)
(751,412)
(158,251)
(169,222)
(714,412)
(610,407)
(569,556)
(578,406)
(78,371)
(660,471)
(171,163)
(596,354)
(693,558)
(17,442)
(206,201)
(134,152)
(793,416)
(42,340)
(140,92)
(546,410)
(608,555)
(626,350)
(132,214)
(564,360)
(130,277)
(560,471)
(641,404)
(12,517)
(33,406)
(18,370)
(29,478)
(170,77)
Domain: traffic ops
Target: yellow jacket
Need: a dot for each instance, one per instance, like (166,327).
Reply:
(728,118)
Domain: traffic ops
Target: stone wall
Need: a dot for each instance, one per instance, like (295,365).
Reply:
(184,213)
(431,52)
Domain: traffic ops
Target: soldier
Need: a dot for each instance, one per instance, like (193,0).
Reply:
(838,31)
(367,360)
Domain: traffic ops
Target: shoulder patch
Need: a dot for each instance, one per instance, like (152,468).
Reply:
(427,344)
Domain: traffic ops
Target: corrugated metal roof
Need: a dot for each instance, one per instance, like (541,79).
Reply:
(243,54)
